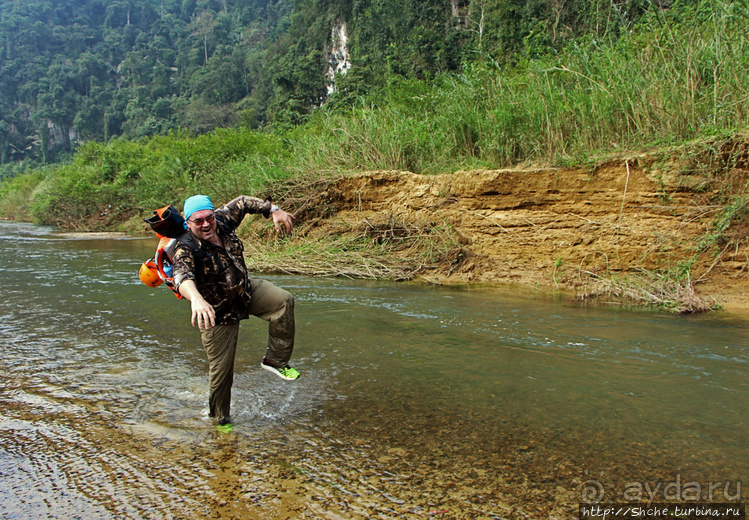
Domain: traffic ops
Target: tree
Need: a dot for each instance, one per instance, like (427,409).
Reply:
(202,25)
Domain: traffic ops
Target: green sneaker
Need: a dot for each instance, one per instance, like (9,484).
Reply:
(224,426)
(286,372)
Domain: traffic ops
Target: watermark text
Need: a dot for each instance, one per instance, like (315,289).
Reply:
(676,490)
(692,511)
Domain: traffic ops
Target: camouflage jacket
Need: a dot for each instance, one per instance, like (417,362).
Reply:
(220,273)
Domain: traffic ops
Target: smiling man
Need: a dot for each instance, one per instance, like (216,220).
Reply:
(213,276)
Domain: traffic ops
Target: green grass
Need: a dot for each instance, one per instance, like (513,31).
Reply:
(670,81)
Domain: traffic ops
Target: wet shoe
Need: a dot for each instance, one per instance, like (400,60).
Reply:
(224,425)
(286,372)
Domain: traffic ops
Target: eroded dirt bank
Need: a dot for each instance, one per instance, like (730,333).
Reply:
(558,228)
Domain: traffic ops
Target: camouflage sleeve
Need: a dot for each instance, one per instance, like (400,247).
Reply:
(235,210)
(184,265)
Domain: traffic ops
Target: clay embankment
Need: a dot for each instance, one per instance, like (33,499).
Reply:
(547,227)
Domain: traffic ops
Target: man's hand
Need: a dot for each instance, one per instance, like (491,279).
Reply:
(281,217)
(203,315)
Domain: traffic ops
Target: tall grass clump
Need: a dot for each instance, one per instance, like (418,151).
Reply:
(16,194)
(397,133)
(677,75)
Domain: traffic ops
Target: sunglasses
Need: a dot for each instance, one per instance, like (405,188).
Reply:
(200,221)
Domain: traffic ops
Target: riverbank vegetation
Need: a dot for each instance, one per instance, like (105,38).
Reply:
(73,71)
(670,79)
(676,76)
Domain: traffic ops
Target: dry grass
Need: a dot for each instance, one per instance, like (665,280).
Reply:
(330,257)
(646,288)
(387,249)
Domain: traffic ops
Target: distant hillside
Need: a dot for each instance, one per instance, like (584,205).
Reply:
(79,70)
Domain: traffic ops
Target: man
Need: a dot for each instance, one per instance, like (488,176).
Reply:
(213,277)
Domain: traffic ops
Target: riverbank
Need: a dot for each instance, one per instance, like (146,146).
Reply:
(665,228)
(639,228)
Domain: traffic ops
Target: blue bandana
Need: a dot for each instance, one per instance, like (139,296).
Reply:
(197,203)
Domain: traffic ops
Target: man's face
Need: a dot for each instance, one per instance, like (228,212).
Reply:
(203,224)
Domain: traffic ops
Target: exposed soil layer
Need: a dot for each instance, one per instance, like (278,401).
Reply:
(558,227)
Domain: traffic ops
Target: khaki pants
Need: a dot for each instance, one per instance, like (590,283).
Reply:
(269,303)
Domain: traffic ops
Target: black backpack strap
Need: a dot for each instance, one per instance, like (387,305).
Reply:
(186,239)
(189,240)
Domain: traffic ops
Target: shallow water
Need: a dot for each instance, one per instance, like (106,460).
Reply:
(414,401)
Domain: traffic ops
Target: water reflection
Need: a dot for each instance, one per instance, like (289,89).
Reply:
(415,401)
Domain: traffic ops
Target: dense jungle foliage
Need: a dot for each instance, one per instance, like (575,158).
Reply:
(164,105)
(73,71)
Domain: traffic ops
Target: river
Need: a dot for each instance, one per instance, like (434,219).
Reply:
(414,401)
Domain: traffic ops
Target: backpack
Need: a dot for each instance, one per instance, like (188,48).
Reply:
(169,226)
